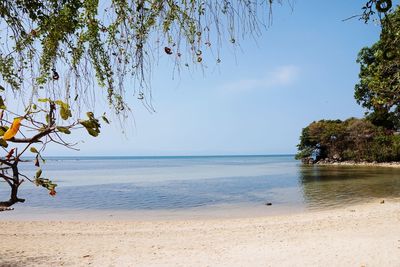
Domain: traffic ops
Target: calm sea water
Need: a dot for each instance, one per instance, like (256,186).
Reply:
(184,183)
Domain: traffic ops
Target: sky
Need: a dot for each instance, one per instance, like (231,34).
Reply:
(258,99)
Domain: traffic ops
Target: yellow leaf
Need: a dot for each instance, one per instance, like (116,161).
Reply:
(13,130)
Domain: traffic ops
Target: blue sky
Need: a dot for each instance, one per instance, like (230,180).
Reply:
(302,68)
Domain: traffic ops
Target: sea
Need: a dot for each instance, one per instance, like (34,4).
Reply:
(178,187)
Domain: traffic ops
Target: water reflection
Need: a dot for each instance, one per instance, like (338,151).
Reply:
(334,186)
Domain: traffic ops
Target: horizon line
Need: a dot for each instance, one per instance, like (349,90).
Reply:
(169,156)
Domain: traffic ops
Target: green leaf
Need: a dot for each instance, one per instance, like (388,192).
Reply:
(105,119)
(60,103)
(38,173)
(92,132)
(2,105)
(43,100)
(90,115)
(88,124)
(3,129)
(65,111)
(64,130)
(92,126)
(33,150)
(3,143)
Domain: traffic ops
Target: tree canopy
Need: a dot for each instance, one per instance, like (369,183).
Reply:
(79,43)
(379,87)
(350,140)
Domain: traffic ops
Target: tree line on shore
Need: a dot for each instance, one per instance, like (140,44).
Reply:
(376,136)
(350,140)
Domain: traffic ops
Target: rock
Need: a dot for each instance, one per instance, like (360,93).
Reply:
(308,160)
(336,157)
(268,204)
(383,201)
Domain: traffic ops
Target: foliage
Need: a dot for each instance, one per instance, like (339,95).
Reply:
(83,41)
(349,140)
(379,87)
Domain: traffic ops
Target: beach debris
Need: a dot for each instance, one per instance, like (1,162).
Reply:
(352,210)
(86,256)
(383,201)
(268,204)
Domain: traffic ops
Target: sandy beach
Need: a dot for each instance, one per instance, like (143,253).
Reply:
(362,235)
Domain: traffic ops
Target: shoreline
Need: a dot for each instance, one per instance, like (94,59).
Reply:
(365,234)
(204,213)
(361,164)
(218,212)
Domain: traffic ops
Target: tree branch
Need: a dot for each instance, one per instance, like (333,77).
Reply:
(34,139)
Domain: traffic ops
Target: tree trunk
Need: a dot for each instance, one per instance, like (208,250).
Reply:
(14,189)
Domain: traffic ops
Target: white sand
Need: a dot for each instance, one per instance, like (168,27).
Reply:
(363,235)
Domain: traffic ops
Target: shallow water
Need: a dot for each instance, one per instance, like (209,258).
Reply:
(189,183)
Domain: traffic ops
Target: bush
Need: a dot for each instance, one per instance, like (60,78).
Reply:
(349,140)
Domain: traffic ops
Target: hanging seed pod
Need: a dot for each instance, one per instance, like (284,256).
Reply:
(10,154)
(218,60)
(168,50)
(55,75)
(383,5)
(36,161)
(198,52)
(199,59)
(198,34)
